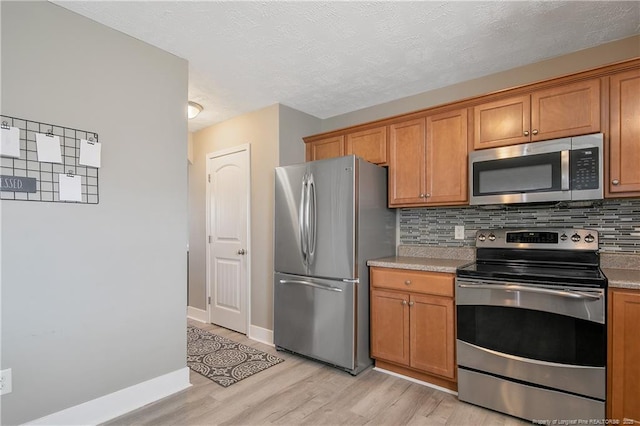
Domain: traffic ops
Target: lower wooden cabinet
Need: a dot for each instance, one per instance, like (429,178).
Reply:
(623,401)
(413,325)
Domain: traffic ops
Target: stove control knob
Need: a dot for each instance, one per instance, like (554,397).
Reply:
(481,237)
(589,238)
(492,237)
(563,237)
(575,238)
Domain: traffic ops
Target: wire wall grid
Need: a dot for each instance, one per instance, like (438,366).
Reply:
(46,174)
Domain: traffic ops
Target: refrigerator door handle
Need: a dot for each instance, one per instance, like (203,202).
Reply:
(301,220)
(314,285)
(311,219)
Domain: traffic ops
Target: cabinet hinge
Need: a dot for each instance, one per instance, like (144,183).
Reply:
(210,239)
(209,178)
(209,299)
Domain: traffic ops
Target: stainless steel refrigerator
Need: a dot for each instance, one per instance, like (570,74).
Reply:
(331,216)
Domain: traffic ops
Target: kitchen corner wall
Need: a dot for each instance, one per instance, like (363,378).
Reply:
(93,296)
(617,222)
(275,135)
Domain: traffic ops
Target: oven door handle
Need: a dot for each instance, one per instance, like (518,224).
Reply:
(516,287)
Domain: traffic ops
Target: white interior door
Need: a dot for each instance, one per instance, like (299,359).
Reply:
(228,226)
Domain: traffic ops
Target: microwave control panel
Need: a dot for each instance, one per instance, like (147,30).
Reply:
(584,168)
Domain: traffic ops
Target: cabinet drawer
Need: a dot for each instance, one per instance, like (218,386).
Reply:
(437,283)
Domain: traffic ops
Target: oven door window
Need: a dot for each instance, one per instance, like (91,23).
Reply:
(533,334)
(529,173)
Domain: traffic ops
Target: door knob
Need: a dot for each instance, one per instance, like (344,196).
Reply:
(241,251)
(615,182)
(534,132)
(526,133)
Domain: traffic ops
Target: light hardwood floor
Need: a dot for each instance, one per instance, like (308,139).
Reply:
(301,391)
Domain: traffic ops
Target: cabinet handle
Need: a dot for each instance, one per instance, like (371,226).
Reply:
(421,195)
(427,195)
(404,302)
(534,132)
(408,282)
(615,182)
(526,133)
(410,303)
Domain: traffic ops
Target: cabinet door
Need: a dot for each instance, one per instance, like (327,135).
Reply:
(432,335)
(390,326)
(407,163)
(325,148)
(624,356)
(447,158)
(501,123)
(624,160)
(568,110)
(369,144)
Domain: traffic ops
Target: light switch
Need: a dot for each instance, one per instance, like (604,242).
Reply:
(459,233)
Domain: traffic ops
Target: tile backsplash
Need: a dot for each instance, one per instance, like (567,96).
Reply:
(617,222)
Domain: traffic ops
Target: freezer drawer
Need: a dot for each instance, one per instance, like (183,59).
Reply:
(316,318)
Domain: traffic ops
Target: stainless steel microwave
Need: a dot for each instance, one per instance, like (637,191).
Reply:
(566,169)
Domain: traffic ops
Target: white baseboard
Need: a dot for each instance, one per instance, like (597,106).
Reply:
(115,404)
(420,382)
(197,314)
(262,335)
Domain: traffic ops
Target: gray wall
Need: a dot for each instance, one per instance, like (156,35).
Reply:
(94,296)
(578,61)
(294,125)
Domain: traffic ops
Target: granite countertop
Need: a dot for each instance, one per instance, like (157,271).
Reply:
(426,264)
(623,278)
(618,277)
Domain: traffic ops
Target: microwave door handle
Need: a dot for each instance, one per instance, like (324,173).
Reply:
(564,166)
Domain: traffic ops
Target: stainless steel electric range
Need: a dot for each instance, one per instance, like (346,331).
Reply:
(531,331)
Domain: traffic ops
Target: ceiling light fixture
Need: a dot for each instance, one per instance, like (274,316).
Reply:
(193,109)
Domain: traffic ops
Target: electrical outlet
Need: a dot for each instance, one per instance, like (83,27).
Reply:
(5,381)
(459,234)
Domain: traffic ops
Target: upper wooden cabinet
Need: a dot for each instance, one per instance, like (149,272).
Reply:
(624,137)
(370,144)
(407,165)
(427,150)
(447,149)
(325,148)
(567,110)
(428,160)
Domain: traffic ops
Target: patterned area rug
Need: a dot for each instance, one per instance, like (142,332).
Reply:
(222,360)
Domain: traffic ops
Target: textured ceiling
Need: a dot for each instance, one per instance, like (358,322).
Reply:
(330,58)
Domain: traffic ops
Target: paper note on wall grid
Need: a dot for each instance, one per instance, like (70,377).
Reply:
(48,148)
(69,187)
(90,153)
(10,142)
